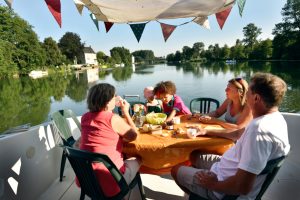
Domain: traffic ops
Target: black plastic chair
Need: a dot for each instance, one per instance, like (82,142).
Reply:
(81,162)
(132,103)
(271,170)
(205,105)
(59,119)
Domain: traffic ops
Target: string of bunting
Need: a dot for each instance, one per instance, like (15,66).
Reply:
(54,7)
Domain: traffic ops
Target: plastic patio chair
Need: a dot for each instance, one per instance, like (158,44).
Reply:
(81,162)
(271,170)
(59,119)
(205,105)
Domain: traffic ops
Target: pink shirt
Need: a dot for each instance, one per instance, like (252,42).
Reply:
(176,104)
(98,136)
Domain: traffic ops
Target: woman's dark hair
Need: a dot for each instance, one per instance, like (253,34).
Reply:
(99,95)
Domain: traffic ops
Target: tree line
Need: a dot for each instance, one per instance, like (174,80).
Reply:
(284,46)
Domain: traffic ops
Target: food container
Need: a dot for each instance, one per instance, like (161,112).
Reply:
(192,133)
(156,118)
(176,120)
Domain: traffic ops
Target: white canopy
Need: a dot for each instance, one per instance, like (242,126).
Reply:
(123,11)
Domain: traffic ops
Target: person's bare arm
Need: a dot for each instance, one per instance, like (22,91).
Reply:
(219,111)
(171,116)
(126,129)
(242,121)
(227,133)
(239,184)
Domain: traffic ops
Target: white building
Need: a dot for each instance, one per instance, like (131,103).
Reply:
(89,56)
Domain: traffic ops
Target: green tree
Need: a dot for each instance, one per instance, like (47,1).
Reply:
(53,53)
(71,46)
(224,52)
(262,50)
(23,42)
(198,48)
(121,55)
(170,57)
(7,65)
(144,56)
(286,42)
(187,53)
(101,57)
(251,32)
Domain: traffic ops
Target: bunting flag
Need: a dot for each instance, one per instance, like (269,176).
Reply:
(222,16)
(167,30)
(79,5)
(9,3)
(54,7)
(138,30)
(95,20)
(108,25)
(241,5)
(202,21)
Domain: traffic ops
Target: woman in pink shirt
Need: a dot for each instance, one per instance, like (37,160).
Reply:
(104,132)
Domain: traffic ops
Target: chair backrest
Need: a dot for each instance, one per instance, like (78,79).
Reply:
(81,162)
(271,170)
(132,103)
(59,119)
(205,105)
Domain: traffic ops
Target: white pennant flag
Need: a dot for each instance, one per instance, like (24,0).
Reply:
(9,2)
(202,21)
(79,5)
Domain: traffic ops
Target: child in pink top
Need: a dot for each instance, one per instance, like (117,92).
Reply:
(172,104)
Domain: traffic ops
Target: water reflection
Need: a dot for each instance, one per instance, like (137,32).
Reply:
(26,100)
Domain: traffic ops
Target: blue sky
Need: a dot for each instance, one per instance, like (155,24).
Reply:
(264,14)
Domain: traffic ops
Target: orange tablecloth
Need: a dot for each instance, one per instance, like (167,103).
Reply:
(160,153)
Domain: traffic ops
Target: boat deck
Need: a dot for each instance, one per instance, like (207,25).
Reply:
(156,187)
(164,187)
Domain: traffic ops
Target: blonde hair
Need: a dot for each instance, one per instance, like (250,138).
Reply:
(242,87)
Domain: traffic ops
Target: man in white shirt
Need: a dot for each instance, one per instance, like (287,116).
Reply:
(264,139)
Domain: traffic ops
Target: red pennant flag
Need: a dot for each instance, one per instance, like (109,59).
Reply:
(108,25)
(167,30)
(54,7)
(222,16)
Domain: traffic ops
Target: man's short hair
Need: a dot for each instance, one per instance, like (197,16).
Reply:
(270,87)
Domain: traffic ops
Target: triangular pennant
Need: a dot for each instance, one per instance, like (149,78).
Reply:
(241,5)
(108,25)
(79,6)
(9,2)
(138,30)
(167,30)
(95,20)
(222,16)
(54,7)
(202,21)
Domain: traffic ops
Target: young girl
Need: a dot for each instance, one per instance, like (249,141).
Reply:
(152,104)
(172,104)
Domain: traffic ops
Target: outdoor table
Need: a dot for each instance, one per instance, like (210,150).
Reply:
(160,152)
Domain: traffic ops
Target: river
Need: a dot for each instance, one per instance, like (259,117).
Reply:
(25,100)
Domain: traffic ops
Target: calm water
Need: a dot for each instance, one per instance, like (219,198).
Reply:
(26,100)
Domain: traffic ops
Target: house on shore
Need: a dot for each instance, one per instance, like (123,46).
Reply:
(88,57)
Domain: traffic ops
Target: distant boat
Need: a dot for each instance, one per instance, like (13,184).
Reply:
(38,74)
(230,61)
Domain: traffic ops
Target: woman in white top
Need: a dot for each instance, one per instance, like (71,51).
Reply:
(237,112)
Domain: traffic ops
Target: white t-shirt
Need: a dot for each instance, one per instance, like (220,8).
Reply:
(264,139)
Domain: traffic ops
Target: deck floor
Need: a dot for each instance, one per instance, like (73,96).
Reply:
(284,186)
